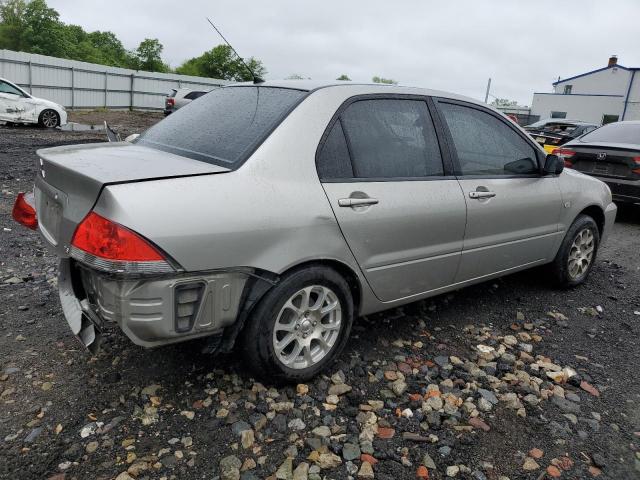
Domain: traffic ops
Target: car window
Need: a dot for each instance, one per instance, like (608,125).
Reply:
(194,95)
(390,138)
(485,145)
(224,126)
(333,160)
(6,88)
(615,133)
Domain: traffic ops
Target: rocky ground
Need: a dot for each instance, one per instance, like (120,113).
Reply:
(509,379)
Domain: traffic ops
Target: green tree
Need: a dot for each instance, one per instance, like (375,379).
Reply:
(42,31)
(12,24)
(147,56)
(388,81)
(344,77)
(221,62)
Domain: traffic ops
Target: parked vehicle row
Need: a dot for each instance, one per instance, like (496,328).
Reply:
(17,106)
(551,133)
(612,154)
(179,97)
(273,214)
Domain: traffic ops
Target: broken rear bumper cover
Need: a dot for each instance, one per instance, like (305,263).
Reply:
(152,311)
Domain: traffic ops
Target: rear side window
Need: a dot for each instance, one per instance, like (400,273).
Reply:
(615,133)
(486,145)
(333,160)
(225,126)
(194,95)
(390,138)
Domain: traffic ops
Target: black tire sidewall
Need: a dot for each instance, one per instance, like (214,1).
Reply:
(560,264)
(258,336)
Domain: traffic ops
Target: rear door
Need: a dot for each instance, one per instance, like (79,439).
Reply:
(512,210)
(399,207)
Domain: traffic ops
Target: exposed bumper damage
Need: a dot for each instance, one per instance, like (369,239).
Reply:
(150,311)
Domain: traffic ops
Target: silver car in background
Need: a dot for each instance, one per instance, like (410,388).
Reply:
(271,215)
(178,98)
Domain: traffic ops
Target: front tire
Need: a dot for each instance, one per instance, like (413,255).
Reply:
(49,118)
(300,326)
(577,252)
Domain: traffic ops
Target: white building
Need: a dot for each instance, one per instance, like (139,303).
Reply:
(601,96)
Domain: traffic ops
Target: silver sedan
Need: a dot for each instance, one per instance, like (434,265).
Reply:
(268,216)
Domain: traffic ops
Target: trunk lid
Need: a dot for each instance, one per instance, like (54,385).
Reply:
(70,179)
(612,160)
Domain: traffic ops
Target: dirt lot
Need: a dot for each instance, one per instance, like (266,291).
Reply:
(509,379)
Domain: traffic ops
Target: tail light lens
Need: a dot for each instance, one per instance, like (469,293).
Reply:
(24,211)
(636,160)
(111,247)
(171,102)
(565,154)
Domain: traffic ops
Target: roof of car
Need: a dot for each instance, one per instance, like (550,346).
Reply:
(362,88)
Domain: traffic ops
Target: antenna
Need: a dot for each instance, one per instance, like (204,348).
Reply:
(256,79)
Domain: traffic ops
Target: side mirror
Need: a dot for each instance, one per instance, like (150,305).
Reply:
(553,165)
(131,138)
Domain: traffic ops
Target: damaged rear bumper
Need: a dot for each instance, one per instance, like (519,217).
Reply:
(152,311)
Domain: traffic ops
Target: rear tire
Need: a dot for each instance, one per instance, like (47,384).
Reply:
(49,118)
(300,326)
(577,253)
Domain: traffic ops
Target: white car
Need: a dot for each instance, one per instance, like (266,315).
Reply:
(17,106)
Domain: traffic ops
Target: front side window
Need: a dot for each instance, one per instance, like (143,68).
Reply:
(225,126)
(391,138)
(6,88)
(485,145)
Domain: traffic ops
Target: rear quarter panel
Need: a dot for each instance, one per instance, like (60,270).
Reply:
(271,213)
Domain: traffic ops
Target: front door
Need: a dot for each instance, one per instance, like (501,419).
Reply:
(401,213)
(12,103)
(513,210)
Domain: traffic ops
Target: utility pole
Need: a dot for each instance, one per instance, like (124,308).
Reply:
(486,95)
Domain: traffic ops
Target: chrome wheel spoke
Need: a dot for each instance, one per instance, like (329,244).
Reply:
(581,253)
(307,327)
(282,344)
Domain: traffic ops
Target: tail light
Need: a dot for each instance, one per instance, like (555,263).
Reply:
(171,101)
(636,170)
(565,154)
(111,247)
(24,211)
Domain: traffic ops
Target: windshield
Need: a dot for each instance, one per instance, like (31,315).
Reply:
(224,126)
(615,133)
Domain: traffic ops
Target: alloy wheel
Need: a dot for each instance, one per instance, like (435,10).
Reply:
(50,119)
(581,253)
(307,327)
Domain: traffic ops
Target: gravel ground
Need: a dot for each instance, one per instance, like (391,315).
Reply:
(509,379)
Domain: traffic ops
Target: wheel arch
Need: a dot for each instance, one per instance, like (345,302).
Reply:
(263,281)
(343,269)
(597,213)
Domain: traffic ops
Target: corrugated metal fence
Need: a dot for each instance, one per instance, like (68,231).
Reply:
(88,85)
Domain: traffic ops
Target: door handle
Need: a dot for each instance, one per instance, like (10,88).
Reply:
(357,202)
(481,194)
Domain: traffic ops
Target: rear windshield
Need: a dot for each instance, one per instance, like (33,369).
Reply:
(615,133)
(223,126)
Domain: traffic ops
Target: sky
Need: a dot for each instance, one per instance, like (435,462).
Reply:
(454,45)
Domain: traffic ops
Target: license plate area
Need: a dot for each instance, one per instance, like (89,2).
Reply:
(49,206)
